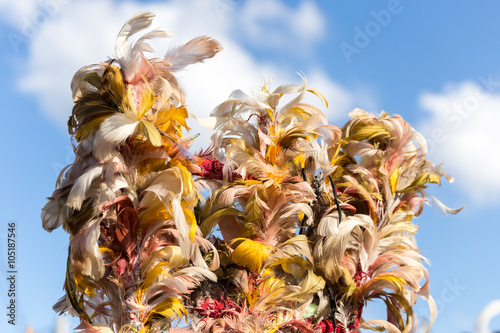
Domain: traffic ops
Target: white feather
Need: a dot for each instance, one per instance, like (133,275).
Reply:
(291,89)
(166,287)
(198,272)
(137,23)
(168,183)
(329,253)
(141,45)
(112,132)
(442,207)
(196,50)
(61,175)
(81,186)
(119,183)
(208,123)
(183,228)
(76,82)
(134,65)
(434,312)
(50,216)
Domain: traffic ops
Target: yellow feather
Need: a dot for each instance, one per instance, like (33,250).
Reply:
(270,113)
(299,160)
(147,101)
(170,308)
(209,223)
(297,266)
(154,213)
(172,120)
(397,281)
(317,93)
(421,180)
(113,89)
(369,132)
(296,112)
(171,253)
(151,132)
(191,220)
(309,286)
(150,165)
(253,209)
(427,178)
(393,179)
(187,181)
(152,276)
(104,249)
(250,254)
(89,128)
(84,285)
(271,287)
(408,309)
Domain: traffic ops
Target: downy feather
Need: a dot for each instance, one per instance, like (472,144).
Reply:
(196,50)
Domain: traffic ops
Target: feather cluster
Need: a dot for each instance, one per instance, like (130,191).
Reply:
(286,224)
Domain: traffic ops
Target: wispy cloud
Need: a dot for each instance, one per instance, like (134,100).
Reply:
(19,13)
(462,131)
(83,32)
(271,24)
(340,99)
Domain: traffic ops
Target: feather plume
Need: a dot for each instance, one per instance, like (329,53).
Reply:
(196,50)
(287,223)
(137,23)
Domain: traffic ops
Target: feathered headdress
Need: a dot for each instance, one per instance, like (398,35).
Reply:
(287,223)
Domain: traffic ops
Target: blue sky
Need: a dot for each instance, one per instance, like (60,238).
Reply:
(436,64)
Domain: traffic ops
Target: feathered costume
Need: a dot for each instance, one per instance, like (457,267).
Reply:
(287,224)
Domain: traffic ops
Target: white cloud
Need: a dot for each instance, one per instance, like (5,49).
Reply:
(462,132)
(27,18)
(83,32)
(17,12)
(272,24)
(491,311)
